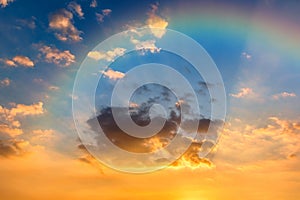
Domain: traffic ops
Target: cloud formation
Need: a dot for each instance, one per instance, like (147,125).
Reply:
(244,92)
(113,75)
(155,22)
(5,82)
(18,60)
(100,16)
(4,3)
(60,58)
(62,23)
(283,95)
(76,8)
(94,4)
(108,56)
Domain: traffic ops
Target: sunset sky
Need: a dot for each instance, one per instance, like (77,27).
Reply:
(255,46)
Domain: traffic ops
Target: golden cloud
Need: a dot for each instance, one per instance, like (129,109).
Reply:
(60,58)
(23,60)
(61,22)
(244,92)
(156,23)
(284,95)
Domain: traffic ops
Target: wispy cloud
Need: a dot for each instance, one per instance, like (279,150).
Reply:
(76,8)
(100,16)
(94,4)
(53,55)
(283,95)
(108,56)
(62,23)
(244,92)
(246,55)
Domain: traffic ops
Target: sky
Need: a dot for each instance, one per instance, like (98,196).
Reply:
(52,53)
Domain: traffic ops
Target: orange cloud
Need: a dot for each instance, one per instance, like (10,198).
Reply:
(24,110)
(4,3)
(61,23)
(60,58)
(100,17)
(23,60)
(155,22)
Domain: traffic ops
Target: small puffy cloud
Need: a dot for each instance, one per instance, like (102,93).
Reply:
(148,45)
(113,75)
(108,56)
(22,60)
(24,110)
(5,82)
(100,16)
(40,135)
(76,8)
(62,23)
(10,63)
(155,22)
(244,92)
(94,4)
(246,55)
(283,95)
(4,3)
(60,58)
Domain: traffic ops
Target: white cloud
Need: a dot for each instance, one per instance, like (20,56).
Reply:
(145,45)
(61,22)
(108,56)
(113,75)
(76,8)
(60,58)
(284,95)
(246,55)
(4,3)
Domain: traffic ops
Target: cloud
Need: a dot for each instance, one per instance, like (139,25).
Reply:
(62,23)
(13,147)
(4,3)
(244,144)
(246,55)
(5,82)
(25,110)
(108,56)
(244,92)
(100,16)
(10,63)
(42,135)
(30,23)
(94,4)
(113,75)
(60,58)
(148,45)
(10,131)
(22,60)
(53,88)
(155,22)
(76,8)
(283,95)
